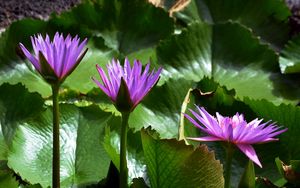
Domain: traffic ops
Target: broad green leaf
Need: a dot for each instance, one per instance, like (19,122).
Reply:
(80,80)
(161,108)
(11,37)
(286,116)
(268,19)
(171,163)
(12,69)
(83,158)
(145,56)
(290,58)
(16,105)
(203,168)
(126,26)
(286,148)
(23,73)
(230,55)
(248,177)
(212,95)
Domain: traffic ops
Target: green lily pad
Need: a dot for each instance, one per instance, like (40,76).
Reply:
(171,163)
(83,158)
(126,26)
(267,19)
(286,116)
(14,108)
(161,108)
(230,55)
(290,59)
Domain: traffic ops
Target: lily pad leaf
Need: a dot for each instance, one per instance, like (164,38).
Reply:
(126,26)
(171,163)
(290,59)
(230,55)
(263,17)
(161,108)
(83,158)
(286,116)
(16,105)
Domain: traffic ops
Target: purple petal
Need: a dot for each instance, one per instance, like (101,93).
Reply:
(61,54)
(139,82)
(249,151)
(30,57)
(107,83)
(104,89)
(194,122)
(229,133)
(75,53)
(127,68)
(268,140)
(208,121)
(277,132)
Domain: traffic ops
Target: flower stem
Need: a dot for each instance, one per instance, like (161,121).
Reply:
(229,156)
(123,162)
(56,146)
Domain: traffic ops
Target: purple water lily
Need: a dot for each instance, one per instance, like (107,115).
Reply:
(126,87)
(235,130)
(137,83)
(56,59)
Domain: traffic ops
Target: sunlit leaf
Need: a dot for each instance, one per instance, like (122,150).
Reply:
(83,158)
(229,54)
(268,19)
(171,163)
(290,58)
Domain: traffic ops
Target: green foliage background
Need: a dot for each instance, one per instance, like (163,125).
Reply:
(236,55)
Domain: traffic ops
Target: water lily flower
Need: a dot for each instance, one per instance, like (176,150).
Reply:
(235,130)
(126,86)
(56,59)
